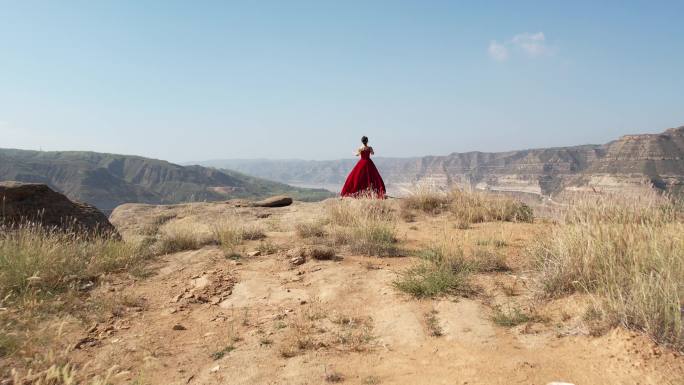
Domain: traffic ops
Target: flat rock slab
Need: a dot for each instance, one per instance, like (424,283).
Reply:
(276,201)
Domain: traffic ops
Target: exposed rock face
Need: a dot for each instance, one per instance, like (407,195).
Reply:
(37,202)
(631,162)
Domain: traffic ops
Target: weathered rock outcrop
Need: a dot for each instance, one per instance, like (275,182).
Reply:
(36,202)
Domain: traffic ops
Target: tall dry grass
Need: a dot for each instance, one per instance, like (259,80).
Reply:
(44,276)
(628,252)
(476,207)
(468,206)
(427,199)
(35,259)
(366,225)
(227,234)
(230,235)
(183,236)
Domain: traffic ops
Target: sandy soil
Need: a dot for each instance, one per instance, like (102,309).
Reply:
(203,319)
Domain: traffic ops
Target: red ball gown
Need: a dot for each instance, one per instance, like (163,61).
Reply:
(364,179)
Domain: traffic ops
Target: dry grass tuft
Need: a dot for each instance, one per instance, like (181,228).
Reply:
(433,323)
(468,206)
(426,199)
(486,260)
(442,270)
(267,248)
(476,207)
(314,229)
(366,226)
(181,237)
(252,232)
(514,316)
(318,326)
(229,236)
(627,252)
(36,260)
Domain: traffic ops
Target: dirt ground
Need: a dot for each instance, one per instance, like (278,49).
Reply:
(201,318)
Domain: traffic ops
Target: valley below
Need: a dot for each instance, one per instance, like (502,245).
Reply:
(630,163)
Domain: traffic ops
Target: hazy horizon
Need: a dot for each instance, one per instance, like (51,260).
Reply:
(305,79)
(351,156)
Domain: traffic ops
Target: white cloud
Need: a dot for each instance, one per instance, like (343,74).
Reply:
(497,51)
(531,44)
(534,44)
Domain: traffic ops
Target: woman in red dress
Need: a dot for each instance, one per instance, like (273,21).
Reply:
(364,179)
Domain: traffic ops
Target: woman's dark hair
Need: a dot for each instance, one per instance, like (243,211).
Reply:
(364,140)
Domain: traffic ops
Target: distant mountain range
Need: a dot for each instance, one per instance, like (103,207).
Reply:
(631,162)
(108,180)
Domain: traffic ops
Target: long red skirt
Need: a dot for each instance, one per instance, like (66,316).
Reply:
(364,180)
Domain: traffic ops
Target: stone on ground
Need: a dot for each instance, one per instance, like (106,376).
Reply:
(276,201)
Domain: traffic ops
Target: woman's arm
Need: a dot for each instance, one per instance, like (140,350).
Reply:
(371,150)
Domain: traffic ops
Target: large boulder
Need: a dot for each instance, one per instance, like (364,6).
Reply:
(36,202)
(276,201)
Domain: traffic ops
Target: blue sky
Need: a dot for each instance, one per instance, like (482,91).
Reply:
(182,80)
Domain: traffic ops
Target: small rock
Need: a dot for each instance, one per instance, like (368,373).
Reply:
(297,260)
(254,253)
(276,201)
(302,302)
(87,341)
(215,300)
(179,327)
(215,369)
(87,286)
(560,383)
